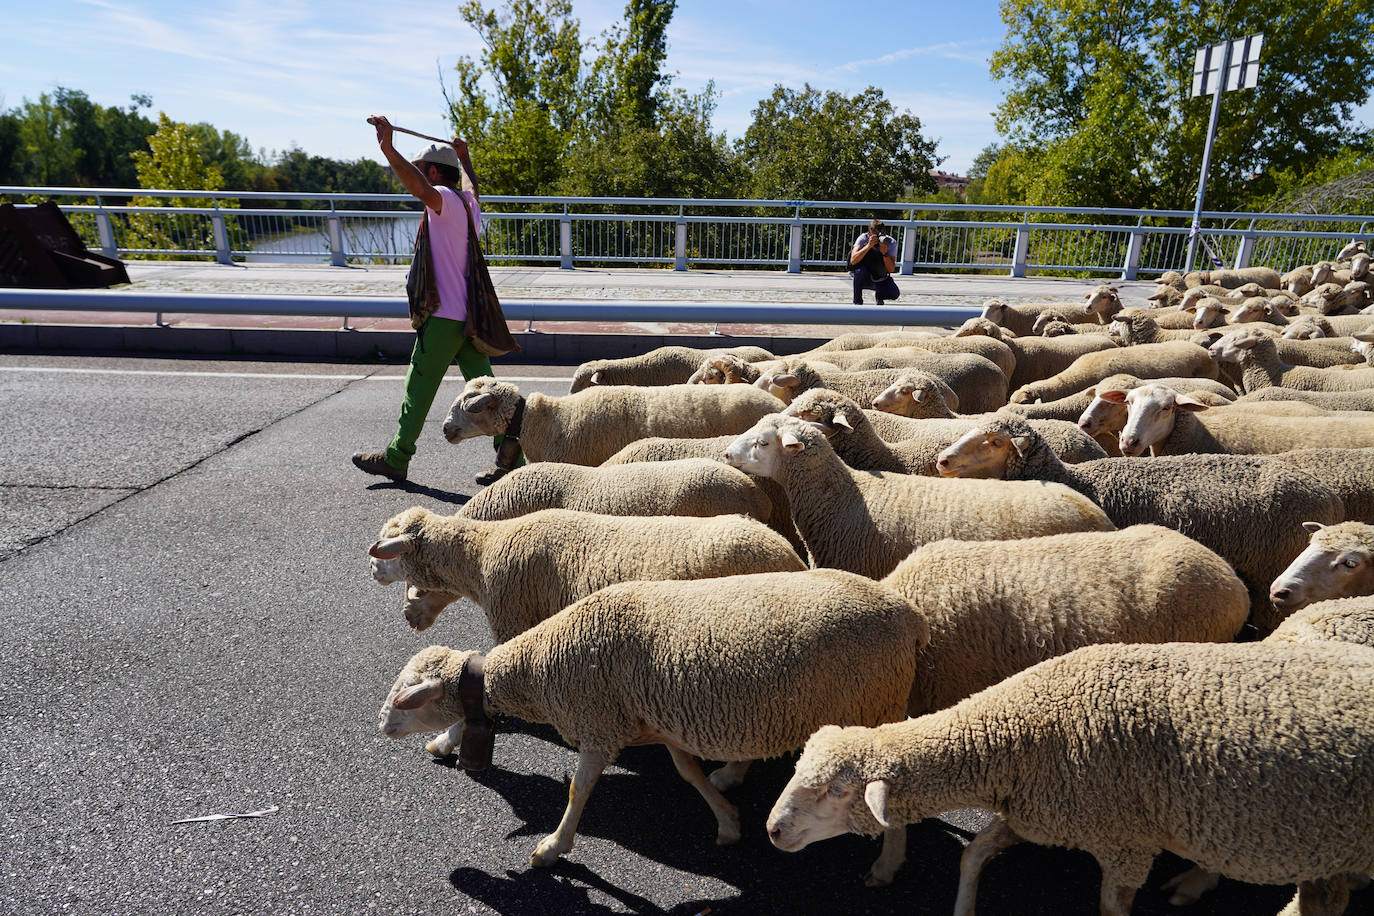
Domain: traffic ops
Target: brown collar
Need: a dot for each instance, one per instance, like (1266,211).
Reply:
(479,734)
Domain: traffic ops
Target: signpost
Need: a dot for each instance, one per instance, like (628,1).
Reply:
(1219,68)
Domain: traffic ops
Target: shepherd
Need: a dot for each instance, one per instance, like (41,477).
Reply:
(442,178)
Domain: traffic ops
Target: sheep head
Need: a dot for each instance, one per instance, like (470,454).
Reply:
(1337,563)
(483,408)
(987,450)
(1150,413)
(975,327)
(831,412)
(764,447)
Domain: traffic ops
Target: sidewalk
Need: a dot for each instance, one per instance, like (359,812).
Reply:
(116,331)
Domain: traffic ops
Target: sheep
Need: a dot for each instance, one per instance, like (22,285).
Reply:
(1133,327)
(1255,761)
(867,341)
(1168,423)
(1359,266)
(1329,400)
(1347,472)
(590,426)
(660,449)
(693,486)
(916,394)
(868,522)
(1298,280)
(1261,367)
(995,351)
(1327,623)
(977,382)
(1176,358)
(1059,328)
(1098,302)
(1318,353)
(1231,278)
(1247,509)
(1306,327)
(1354,247)
(1338,562)
(998,607)
(1104,419)
(661,366)
(1167,297)
(732,669)
(1036,357)
(1256,309)
(728,369)
(523,570)
(1328,272)
(854,435)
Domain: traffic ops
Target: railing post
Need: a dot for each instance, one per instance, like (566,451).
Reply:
(794,243)
(337,256)
(105,230)
(1133,249)
(221,236)
(1018,258)
(565,252)
(1246,248)
(909,245)
(680,243)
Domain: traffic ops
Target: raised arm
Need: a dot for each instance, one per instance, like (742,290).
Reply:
(460,146)
(406,173)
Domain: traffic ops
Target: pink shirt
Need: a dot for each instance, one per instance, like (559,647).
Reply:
(448,240)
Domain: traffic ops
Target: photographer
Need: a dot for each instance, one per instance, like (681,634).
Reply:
(871,263)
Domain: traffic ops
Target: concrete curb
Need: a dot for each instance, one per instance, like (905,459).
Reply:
(356,346)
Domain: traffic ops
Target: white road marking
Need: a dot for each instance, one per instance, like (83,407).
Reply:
(351,378)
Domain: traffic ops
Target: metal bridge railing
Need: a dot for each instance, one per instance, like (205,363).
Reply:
(379,228)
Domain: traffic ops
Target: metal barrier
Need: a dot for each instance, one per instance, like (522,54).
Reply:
(695,312)
(343,229)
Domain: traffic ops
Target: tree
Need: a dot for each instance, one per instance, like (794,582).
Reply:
(174,160)
(829,146)
(1099,91)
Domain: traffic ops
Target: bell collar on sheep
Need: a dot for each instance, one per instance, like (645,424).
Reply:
(479,733)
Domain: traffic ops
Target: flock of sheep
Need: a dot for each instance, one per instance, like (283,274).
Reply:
(945,568)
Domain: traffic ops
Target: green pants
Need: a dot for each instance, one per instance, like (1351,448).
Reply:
(439,343)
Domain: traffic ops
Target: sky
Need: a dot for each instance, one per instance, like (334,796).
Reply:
(284,73)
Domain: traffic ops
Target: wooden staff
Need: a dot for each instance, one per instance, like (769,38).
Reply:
(414,133)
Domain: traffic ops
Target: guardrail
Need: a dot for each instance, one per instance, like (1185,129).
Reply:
(516,310)
(368,228)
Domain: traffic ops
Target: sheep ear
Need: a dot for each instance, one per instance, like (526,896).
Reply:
(1116,397)
(391,548)
(876,796)
(483,401)
(1313,527)
(596,377)
(1021,444)
(840,419)
(789,441)
(917,395)
(1365,336)
(1247,342)
(1192,405)
(786,380)
(414,697)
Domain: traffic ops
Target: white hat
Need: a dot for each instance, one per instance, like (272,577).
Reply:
(441,153)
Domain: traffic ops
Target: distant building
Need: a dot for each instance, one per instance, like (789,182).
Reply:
(945,180)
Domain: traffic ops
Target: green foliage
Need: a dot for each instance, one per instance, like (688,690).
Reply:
(66,139)
(1100,91)
(174,159)
(828,146)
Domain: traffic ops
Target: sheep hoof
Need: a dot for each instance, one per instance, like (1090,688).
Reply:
(728,832)
(546,853)
(1190,886)
(876,878)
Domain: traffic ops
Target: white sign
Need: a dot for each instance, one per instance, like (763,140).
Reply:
(1242,70)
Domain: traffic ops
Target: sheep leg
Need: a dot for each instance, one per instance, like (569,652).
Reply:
(444,743)
(1190,886)
(1326,897)
(590,764)
(893,855)
(730,776)
(991,840)
(727,815)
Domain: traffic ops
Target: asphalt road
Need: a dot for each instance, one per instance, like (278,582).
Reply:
(190,628)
